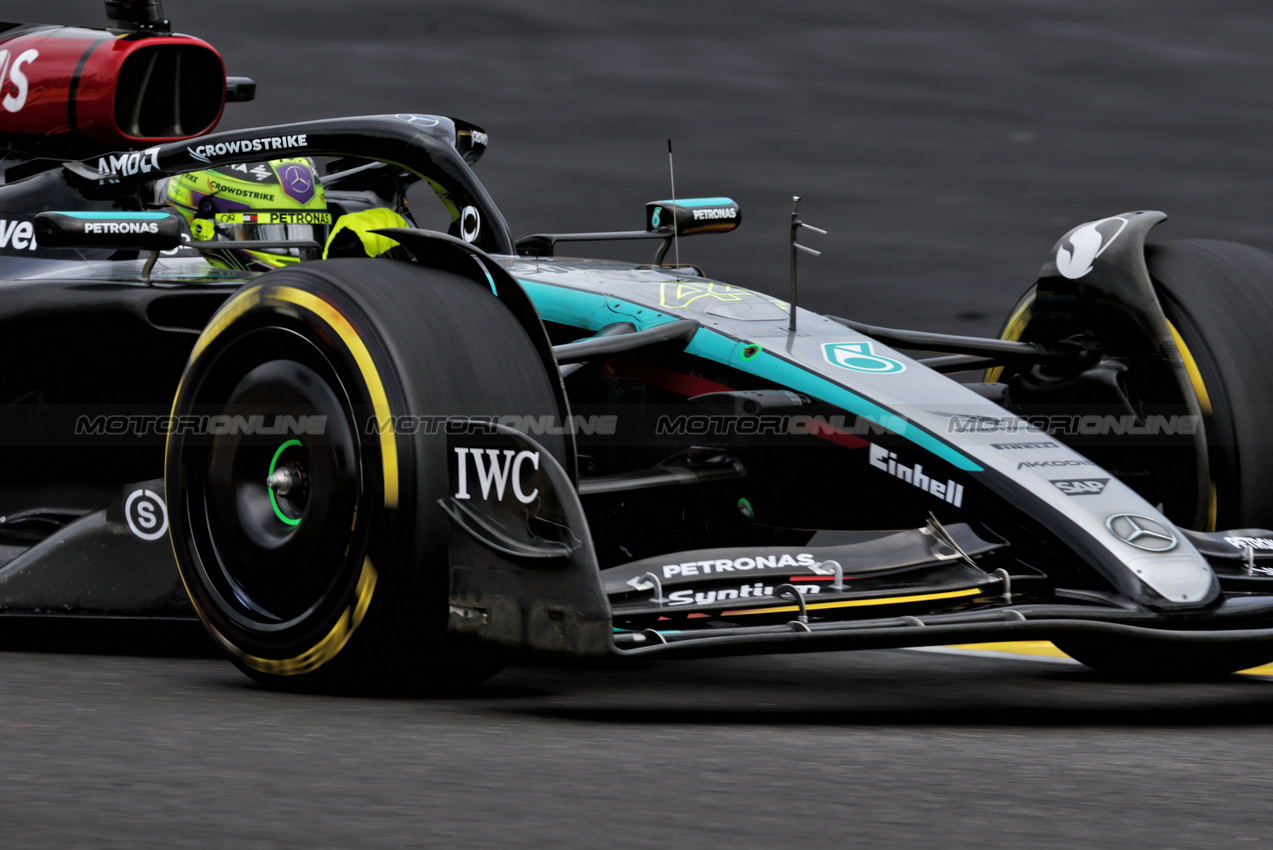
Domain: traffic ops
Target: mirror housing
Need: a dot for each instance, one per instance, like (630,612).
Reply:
(692,215)
(143,231)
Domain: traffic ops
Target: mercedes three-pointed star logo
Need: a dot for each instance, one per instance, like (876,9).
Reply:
(297,178)
(1142,532)
(417,120)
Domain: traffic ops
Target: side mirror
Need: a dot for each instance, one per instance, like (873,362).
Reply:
(143,231)
(663,220)
(688,216)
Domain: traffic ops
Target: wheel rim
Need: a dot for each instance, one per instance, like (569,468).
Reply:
(272,550)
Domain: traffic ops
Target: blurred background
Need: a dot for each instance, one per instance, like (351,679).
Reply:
(945,145)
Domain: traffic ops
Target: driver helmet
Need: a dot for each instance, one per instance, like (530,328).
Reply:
(279,200)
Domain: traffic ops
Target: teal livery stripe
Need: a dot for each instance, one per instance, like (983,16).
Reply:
(711,345)
(591,310)
(690,203)
(594,311)
(127,216)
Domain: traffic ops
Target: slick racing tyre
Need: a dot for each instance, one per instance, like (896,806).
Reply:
(1218,298)
(308,534)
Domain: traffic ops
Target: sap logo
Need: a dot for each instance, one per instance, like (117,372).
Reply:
(127,164)
(13,73)
(1081,486)
(18,234)
(496,469)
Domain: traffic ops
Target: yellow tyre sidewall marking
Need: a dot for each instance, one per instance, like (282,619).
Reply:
(376,389)
(229,312)
(287,295)
(1191,367)
(329,646)
(1013,331)
(1204,404)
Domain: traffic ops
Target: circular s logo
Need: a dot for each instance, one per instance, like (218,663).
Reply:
(470,224)
(147,517)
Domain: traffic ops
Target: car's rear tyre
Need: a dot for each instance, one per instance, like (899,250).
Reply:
(335,577)
(1218,298)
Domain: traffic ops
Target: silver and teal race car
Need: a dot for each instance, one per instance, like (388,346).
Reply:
(401,472)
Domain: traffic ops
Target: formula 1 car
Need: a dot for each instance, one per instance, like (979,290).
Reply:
(398,472)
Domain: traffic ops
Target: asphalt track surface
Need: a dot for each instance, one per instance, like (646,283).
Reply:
(945,146)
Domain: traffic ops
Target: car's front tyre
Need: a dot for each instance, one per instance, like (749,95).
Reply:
(305,524)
